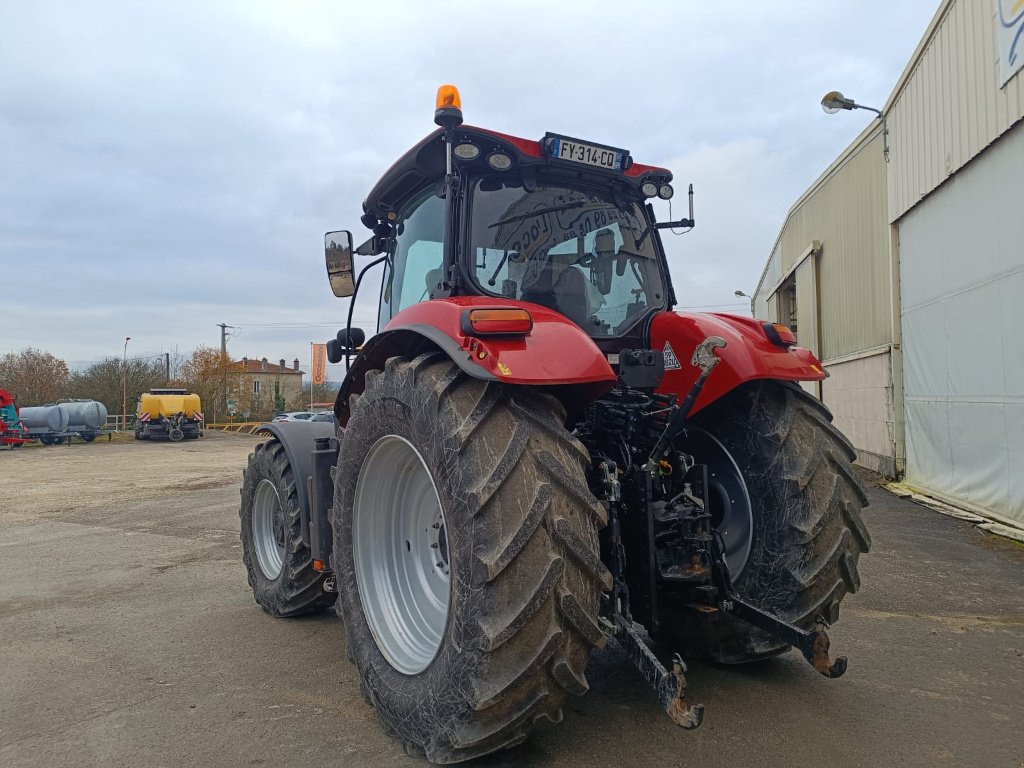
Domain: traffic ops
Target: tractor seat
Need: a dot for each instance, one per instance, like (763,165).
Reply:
(432,278)
(566,294)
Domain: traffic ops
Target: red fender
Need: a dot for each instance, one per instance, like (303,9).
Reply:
(748,354)
(556,353)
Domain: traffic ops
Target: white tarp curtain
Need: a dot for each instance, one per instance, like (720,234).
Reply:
(962,294)
(1009,17)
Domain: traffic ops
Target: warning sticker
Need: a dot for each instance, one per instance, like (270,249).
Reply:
(671,361)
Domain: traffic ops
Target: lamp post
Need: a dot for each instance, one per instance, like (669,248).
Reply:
(740,295)
(833,101)
(124,385)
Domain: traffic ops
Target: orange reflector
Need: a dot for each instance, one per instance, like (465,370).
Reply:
(496,322)
(779,334)
(448,98)
(318,565)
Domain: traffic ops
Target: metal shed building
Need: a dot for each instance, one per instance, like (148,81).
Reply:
(906,275)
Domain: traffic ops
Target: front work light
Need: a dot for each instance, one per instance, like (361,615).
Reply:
(466,151)
(665,191)
(501,321)
(649,189)
(499,161)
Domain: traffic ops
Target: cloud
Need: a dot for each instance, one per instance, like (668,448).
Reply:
(170,166)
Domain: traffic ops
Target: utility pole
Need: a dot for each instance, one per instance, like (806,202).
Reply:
(167,366)
(124,384)
(223,366)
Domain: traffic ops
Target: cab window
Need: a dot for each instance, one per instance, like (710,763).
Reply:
(417,255)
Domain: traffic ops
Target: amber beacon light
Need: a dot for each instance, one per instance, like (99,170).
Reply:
(448,107)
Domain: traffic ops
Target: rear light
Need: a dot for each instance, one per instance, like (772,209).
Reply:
(780,334)
(505,321)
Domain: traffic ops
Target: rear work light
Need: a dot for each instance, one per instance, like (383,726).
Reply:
(504,321)
(780,334)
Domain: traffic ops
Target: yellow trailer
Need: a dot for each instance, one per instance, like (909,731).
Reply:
(175,414)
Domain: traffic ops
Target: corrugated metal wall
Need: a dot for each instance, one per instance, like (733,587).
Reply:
(949,105)
(847,214)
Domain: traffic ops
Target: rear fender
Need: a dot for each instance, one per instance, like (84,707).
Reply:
(556,354)
(298,439)
(748,354)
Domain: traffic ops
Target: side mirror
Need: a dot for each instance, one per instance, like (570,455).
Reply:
(347,341)
(340,269)
(352,338)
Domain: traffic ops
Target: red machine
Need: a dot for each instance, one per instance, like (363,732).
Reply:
(536,453)
(12,431)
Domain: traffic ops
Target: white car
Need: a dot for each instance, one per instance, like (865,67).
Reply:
(294,416)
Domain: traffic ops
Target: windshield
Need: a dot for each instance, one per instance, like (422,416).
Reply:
(572,250)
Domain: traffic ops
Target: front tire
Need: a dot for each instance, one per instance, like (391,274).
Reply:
(805,502)
(278,562)
(505,636)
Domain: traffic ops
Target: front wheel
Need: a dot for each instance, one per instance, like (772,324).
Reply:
(278,562)
(785,497)
(467,557)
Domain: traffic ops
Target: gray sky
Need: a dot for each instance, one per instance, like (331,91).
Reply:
(166,167)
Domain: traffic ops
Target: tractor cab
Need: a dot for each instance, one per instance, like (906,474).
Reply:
(561,223)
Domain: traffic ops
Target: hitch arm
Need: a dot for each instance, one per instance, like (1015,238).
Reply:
(671,686)
(813,644)
(706,358)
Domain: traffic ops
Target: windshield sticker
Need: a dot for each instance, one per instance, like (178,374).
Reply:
(541,220)
(671,361)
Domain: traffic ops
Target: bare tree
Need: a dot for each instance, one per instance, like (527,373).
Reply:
(34,377)
(322,393)
(210,375)
(102,381)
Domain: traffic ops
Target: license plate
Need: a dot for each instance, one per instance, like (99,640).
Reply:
(586,154)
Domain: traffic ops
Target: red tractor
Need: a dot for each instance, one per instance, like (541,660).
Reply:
(12,431)
(535,454)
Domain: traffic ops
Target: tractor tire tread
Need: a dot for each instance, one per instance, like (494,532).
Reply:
(532,559)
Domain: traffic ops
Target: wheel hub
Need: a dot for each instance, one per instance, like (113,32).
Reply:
(268,529)
(401,554)
(728,499)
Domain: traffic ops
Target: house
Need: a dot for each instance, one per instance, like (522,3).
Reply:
(261,382)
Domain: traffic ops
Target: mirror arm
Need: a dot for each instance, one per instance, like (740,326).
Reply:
(352,303)
(682,222)
(372,247)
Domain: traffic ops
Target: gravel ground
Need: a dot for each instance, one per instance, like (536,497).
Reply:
(128,637)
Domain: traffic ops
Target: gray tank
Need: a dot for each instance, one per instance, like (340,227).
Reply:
(51,417)
(85,414)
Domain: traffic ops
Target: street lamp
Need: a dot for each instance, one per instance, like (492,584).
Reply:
(740,295)
(834,101)
(124,385)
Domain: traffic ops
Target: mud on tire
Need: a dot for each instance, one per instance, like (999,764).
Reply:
(525,574)
(807,501)
(297,588)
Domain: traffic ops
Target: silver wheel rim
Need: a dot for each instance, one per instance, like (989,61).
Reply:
(268,529)
(400,551)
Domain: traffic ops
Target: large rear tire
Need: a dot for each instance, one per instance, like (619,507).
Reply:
(278,562)
(505,538)
(805,503)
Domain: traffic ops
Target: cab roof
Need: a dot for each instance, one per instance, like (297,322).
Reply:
(425,163)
